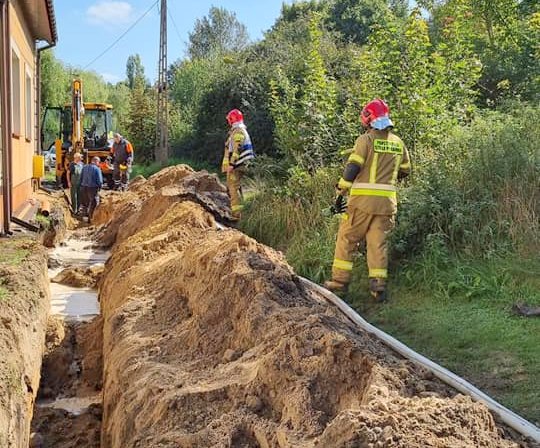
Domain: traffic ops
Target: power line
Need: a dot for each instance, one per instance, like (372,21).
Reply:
(122,35)
(174,24)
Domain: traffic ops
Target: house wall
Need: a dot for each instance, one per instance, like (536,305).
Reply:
(23,105)
(2,150)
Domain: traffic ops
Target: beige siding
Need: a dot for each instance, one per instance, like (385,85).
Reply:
(23,143)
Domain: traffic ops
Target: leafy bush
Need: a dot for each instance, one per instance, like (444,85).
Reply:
(482,191)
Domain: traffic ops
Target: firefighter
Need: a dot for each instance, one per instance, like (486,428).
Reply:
(378,161)
(122,153)
(238,152)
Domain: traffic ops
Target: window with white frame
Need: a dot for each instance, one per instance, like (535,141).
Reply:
(15,92)
(28,101)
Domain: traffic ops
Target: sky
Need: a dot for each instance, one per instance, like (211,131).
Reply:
(88,27)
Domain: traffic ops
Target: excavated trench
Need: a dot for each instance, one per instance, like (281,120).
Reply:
(68,409)
(207,338)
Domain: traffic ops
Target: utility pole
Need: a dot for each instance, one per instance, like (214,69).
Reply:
(162,148)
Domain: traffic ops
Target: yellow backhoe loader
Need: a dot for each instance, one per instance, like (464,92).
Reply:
(78,127)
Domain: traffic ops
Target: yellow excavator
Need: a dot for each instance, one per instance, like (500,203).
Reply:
(78,127)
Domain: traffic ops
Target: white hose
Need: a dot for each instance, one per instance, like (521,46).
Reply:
(506,415)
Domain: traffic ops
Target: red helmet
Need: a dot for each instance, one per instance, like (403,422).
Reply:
(234,116)
(375,115)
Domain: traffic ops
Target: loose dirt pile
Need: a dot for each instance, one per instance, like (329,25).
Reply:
(60,219)
(211,340)
(24,305)
(80,277)
(121,215)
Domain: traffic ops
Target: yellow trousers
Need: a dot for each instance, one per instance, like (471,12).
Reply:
(356,226)
(234,187)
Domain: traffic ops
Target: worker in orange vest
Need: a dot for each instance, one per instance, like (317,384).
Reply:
(378,161)
(122,154)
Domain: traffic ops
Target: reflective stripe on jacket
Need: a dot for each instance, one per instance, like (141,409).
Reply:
(238,148)
(122,151)
(382,155)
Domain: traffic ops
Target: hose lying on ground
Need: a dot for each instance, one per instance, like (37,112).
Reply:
(508,417)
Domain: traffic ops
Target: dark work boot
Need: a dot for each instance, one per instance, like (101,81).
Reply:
(377,288)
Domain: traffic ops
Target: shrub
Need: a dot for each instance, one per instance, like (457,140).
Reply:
(482,191)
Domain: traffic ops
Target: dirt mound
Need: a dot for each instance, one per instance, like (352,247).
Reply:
(80,277)
(171,175)
(211,340)
(115,206)
(60,219)
(126,213)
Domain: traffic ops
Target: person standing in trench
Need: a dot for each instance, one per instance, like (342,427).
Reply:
(91,183)
(74,182)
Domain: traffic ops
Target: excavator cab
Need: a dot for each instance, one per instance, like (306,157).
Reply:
(96,126)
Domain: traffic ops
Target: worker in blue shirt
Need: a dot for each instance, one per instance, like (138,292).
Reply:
(91,183)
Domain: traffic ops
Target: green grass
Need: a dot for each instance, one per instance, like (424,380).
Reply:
(50,176)
(11,253)
(460,315)
(4,294)
(43,221)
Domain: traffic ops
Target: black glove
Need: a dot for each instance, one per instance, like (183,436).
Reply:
(340,206)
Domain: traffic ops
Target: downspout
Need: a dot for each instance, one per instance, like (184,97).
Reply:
(5,88)
(38,95)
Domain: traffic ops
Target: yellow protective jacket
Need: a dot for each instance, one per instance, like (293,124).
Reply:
(238,148)
(382,157)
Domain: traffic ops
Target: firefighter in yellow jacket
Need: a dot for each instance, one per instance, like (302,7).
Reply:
(238,152)
(378,161)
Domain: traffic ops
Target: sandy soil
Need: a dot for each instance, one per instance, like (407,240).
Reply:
(24,305)
(211,340)
(80,277)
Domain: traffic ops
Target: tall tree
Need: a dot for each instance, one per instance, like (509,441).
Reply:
(219,32)
(141,121)
(427,87)
(134,70)
(306,122)
(119,96)
(504,34)
(354,18)
(54,81)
